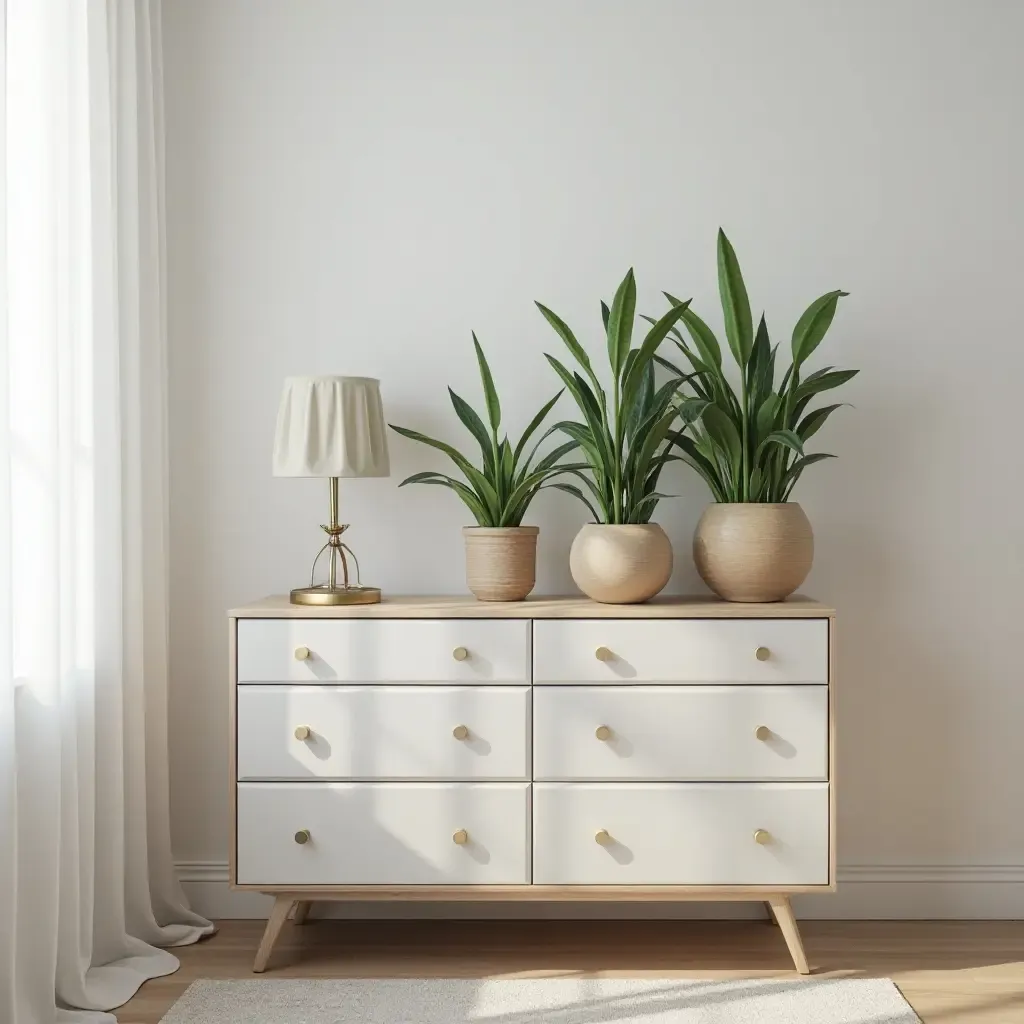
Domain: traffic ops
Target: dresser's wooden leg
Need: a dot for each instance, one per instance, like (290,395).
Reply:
(301,912)
(783,912)
(771,913)
(278,916)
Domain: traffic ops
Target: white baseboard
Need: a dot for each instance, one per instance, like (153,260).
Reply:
(866,891)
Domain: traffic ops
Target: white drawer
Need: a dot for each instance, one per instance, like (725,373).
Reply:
(382,833)
(680,732)
(383,651)
(676,834)
(383,732)
(681,651)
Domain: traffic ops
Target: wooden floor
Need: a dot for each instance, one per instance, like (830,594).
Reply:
(952,972)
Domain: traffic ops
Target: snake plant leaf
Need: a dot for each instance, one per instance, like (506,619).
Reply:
(704,339)
(825,382)
(739,325)
(531,428)
(472,422)
(813,324)
(577,350)
(456,456)
(620,323)
(814,420)
(787,438)
(576,493)
(605,314)
(760,362)
(644,397)
(655,336)
(691,409)
(469,499)
(722,430)
(767,411)
(794,471)
(553,457)
(490,392)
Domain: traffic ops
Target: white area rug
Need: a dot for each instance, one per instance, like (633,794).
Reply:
(542,1001)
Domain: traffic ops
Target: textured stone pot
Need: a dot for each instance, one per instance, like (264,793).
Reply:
(621,564)
(753,551)
(501,561)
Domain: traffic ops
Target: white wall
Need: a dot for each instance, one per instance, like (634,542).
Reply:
(353,186)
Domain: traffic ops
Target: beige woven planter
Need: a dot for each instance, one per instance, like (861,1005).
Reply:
(753,552)
(501,561)
(621,564)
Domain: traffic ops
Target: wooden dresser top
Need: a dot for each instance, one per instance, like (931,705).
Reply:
(463,607)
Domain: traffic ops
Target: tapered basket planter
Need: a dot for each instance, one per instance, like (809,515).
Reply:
(501,562)
(622,564)
(753,552)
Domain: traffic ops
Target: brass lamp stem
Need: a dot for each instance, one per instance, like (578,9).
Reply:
(334,533)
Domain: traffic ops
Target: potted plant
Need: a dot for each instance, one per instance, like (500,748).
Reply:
(621,557)
(501,553)
(754,543)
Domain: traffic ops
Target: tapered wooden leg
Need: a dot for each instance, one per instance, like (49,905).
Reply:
(783,912)
(301,911)
(278,916)
(771,913)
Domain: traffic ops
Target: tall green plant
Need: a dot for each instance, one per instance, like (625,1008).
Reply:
(750,446)
(500,490)
(622,436)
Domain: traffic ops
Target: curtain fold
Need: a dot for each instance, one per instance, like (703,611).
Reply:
(87,885)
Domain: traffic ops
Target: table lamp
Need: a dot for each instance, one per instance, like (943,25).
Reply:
(332,427)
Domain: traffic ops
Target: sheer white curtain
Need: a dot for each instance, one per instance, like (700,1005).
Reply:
(87,887)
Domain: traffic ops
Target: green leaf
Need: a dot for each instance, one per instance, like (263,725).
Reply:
(704,338)
(470,500)
(478,481)
(760,362)
(825,382)
(605,314)
(620,323)
(739,326)
(577,350)
(533,425)
(691,409)
(764,418)
(786,438)
(813,324)
(813,421)
(576,493)
(794,471)
(724,431)
(490,393)
(655,336)
(472,422)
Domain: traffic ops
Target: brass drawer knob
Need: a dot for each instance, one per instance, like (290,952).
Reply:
(762,732)
(461,732)
(302,653)
(602,732)
(461,837)
(603,837)
(762,654)
(460,654)
(762,837)
(603,654)
(303,732)
(302,837)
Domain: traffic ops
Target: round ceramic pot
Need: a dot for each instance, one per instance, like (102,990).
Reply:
(621,564)
(501,561)
(753,551)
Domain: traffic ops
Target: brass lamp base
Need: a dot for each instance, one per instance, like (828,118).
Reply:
(330,596)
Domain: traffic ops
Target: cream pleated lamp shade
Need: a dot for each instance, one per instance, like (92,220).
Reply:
(331,426)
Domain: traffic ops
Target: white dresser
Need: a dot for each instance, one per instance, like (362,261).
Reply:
(550,750)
